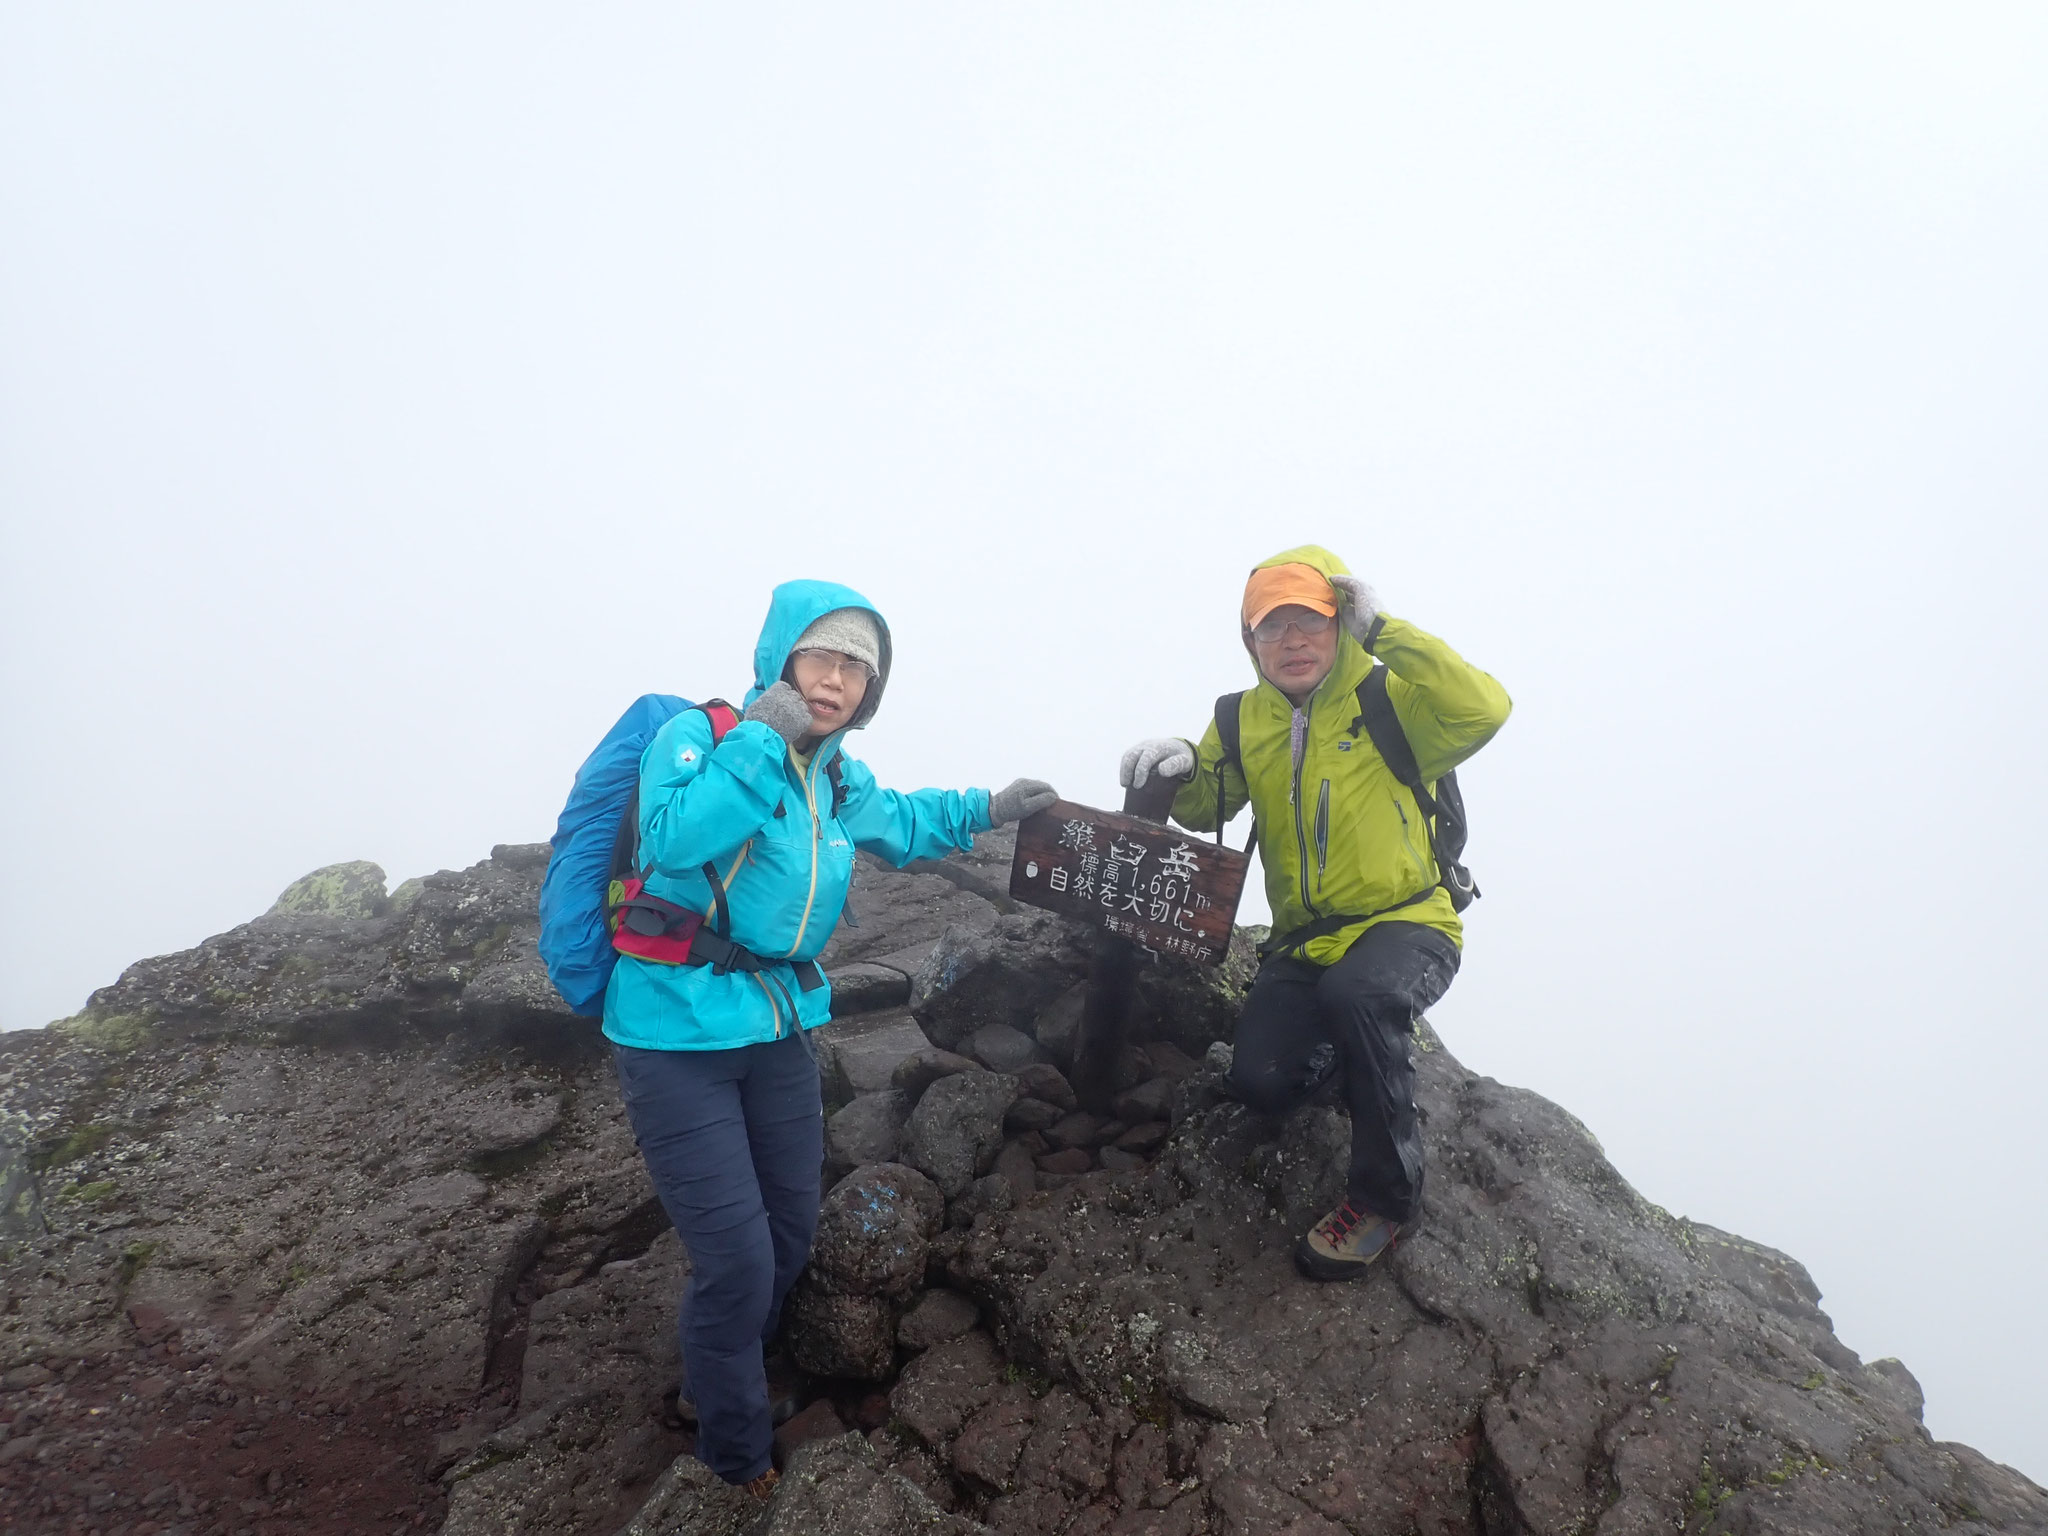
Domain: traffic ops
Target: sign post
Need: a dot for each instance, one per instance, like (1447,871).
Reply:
(1142,885)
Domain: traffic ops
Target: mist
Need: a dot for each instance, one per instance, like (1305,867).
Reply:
(389,394)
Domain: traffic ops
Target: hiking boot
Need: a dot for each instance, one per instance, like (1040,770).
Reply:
(763,1487)
(1344,1244)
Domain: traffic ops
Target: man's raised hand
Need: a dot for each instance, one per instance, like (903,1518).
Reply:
(1167,756)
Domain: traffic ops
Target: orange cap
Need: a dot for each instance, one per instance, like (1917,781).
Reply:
(1275,586)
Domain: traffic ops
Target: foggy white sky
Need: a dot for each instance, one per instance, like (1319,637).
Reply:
(388,393)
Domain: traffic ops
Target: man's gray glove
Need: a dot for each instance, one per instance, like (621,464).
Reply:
(1357,607)
(1167,756)
(1023,797)
(784,712)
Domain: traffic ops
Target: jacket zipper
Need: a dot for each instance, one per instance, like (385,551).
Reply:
(817,837)
(1294,804)
(1322,834)
(1416,858)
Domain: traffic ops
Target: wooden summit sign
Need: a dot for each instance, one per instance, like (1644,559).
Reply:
(1140,880)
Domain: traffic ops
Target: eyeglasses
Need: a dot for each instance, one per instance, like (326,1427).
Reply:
(834,661)
(1274,625)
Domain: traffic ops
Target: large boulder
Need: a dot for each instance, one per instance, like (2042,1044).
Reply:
(873,1231)
(869,1130)
(1002,975)
(355,889)
(956,1130)
(831,1334)
(867,1259)
(840,1486)
(1546,1352)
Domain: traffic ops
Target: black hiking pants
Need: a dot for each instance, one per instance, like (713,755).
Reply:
(1304,1024)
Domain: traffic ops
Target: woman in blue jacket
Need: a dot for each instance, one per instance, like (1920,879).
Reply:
(720,1085)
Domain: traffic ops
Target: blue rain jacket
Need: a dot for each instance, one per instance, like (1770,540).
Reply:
(785,876)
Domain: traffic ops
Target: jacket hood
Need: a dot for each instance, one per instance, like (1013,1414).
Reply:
(1352,662)
(794,607)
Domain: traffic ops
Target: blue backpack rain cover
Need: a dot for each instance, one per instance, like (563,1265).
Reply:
(575,940)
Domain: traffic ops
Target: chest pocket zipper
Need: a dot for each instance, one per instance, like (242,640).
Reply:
(1406,841)
(1322,833)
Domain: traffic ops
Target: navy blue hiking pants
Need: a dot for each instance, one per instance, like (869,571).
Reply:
(1304,1024)
(733,1140)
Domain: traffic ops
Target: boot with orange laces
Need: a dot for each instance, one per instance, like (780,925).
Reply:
(1344,1244)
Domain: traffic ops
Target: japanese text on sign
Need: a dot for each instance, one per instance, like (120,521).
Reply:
(1141,880)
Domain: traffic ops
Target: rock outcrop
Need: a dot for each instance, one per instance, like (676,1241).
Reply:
(335,1223)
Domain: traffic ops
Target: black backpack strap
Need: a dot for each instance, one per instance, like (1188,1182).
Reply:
(834,771)
(1228,735)
(1444,810)
(1377,719)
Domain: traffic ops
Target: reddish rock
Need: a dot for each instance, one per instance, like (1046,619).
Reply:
(1041,1080)
(1148,1137)
(818,1422)
(1150,1100)
(1075,1130)
(1030,1115)
(1170,1061)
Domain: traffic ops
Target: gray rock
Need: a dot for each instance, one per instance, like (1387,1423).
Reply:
(1191,1006)
(869,1130)
(938,1316)
(920,1070)
(1041,1081)
(1004,975)
(1541,1300)
(1002,1048)
(21,1209)
(1057,1026)
(1016,1166)
(1079,1129)
(690,1498)
(1151,1100)
(867,1051)
(862,988)
(1030,1115)
(873,1231)
(957,1128)
(830,1334)
(840,1486)
(352,890)
(344,1154)
(990,1192)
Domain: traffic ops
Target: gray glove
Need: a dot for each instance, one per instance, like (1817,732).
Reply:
(1023,797)
(1358,605)
(1167,756)
(784,711)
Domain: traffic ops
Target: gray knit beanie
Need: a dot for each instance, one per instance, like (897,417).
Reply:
(850,631)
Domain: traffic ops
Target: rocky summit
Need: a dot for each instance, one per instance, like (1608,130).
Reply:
(334,1224)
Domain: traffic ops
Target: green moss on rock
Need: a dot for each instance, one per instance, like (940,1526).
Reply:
(340,890)
(114,1033)
(81,1142)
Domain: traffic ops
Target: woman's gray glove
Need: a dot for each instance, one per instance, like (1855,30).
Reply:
(1358,605)
(1167,756)
(1023,797)
(784,712)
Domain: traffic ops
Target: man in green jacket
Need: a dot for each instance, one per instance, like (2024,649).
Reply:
(1364,935)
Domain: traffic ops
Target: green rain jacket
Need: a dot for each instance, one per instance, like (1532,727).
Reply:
(1338,833)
